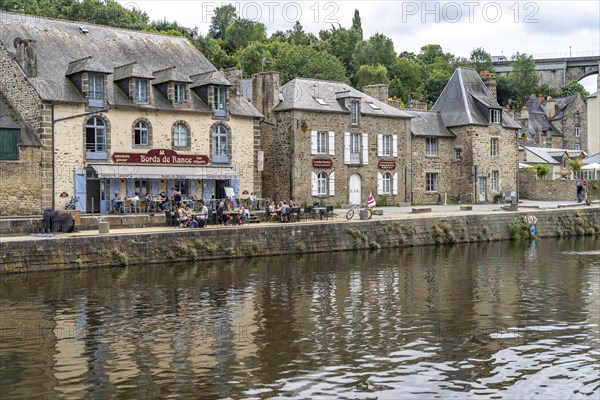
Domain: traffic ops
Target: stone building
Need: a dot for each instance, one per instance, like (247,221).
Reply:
(90,110)
(593,117)
(466,145)
(327,141)
(555,123)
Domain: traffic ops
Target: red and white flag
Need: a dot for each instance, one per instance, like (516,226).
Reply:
(371,202)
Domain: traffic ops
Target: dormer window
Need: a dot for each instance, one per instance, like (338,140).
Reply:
(220,101)
(180,93)
(354,112)
(96,90)
(321,101)
(141,90)
(494,116)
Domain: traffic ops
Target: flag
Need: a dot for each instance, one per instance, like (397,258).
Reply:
(371,202)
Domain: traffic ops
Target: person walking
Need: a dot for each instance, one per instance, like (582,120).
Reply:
(579,191)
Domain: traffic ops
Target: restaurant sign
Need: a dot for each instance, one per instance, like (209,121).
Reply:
(387,164)
(320,163)
(160,156)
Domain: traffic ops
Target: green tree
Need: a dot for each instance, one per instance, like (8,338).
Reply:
(213,50)
(547,90)
(357,24)
(341,43)
(542,170)
(260,56)
(240,32)
(378,49)
(504,90)
(573,88)
(372,74)
(523,79)
(407,85)
(481,60)
(301,61)
(435,83)
(575,165)
(219,22)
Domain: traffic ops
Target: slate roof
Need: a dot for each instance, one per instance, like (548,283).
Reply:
(170,74)
(210,78)
(538,119)
(594,158)
(429,123)
(302,94)
(561,105)
(107,49)
(465,101)
(132,70)
(541,153)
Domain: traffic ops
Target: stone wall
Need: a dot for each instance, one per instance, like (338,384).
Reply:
(566,125)
(22,181)
(184,245)
(532,188)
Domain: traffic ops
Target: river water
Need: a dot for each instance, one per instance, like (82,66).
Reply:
(497,320)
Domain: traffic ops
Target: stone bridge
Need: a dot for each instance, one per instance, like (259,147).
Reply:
(557,72)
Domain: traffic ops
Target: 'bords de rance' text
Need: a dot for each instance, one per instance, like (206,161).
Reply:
(160,156)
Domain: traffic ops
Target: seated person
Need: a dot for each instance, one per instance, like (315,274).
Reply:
(177,199)
(116,203)
(133,201)
(203,216)
(192,200)
(184,216)
(148,198)
(228,205)
(222,218)
(273,212)
(165,204)
(285,212)
(244,214)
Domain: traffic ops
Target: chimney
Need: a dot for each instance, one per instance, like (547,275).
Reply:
(26,56)
(538,136)
(417,105)
(550,107)
(234,75)
(379,92)
(265,92)
(540,98)
(489,79)
(525,114)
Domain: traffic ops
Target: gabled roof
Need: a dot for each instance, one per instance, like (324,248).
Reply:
(169,75)
(594,158)
(541,153)
(59,43)
(131,70)
(461,101)
(319,95)
(538,119)
(429,123)
(561,104)
(86,64)
(210,78)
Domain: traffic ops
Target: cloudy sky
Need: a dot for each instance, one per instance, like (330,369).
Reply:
(542,28)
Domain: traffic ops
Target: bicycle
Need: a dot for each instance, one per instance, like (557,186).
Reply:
(355,208)
(71,204)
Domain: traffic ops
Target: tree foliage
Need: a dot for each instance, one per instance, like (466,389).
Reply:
(523,79)
(372,74)
(573,88)
(542,170)
(481,60)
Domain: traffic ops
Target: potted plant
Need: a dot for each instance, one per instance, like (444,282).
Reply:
(498,198)
(439,200)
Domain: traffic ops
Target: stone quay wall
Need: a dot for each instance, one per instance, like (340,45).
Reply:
(532,188)
(184,245)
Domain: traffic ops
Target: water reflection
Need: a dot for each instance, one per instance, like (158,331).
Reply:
(475,321)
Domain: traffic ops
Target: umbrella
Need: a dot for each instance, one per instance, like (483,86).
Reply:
(591,166)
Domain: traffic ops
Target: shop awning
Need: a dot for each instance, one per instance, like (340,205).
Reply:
(163,172)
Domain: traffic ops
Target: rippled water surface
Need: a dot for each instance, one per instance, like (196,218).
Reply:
(498,320)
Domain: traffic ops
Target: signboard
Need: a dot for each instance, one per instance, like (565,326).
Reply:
(229,192)
(585,183)
(160,156)
(320,163)
(387,164)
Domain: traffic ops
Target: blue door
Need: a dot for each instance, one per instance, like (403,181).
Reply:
(103,195)
(80,189)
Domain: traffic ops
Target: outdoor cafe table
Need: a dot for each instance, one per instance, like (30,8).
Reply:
(320,210)
(233,216)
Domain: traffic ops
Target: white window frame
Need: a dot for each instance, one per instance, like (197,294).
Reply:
(577,132)
(180,135)
(141,129)
(431,146)
(141,90)
(322,179)
(495,116)
(322,141)
(355,147)
(386,183)
(494,150)
(220,144)
(577,146)
(495,180)
(386,145)
(354,112)
(220,98)
(180,94)
(96,90)
(457,154)
(431,182)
